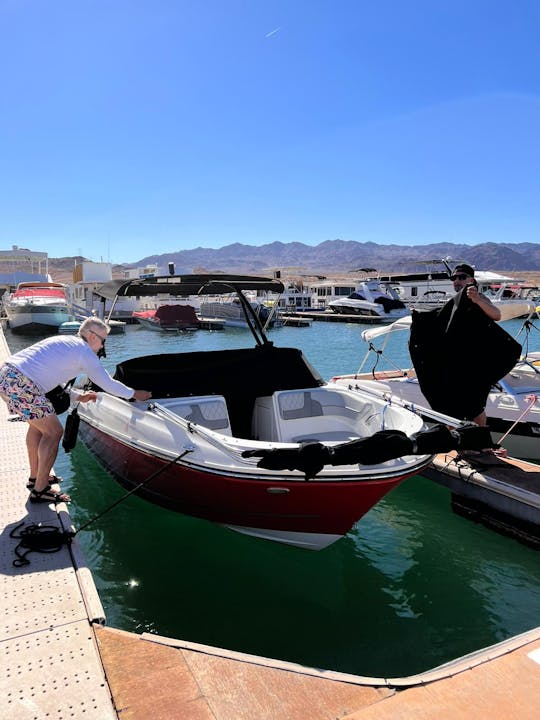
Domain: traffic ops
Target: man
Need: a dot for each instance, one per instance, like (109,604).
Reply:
(28,375)
(459,352)
(463,277)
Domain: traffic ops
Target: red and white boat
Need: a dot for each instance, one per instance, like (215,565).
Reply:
(250,438)
(37,307)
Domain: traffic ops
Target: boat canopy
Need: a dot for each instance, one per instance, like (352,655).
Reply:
(184,285)
(403,323)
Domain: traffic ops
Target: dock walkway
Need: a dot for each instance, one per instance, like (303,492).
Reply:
(57,660)
(50,666)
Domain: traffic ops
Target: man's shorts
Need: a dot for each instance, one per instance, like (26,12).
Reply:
(22,395)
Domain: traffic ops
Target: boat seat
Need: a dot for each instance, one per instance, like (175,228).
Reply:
(311,414)
(209,411)
(298,405)
(311,403)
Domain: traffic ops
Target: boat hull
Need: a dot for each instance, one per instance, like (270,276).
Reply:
(310,514)
(36,319)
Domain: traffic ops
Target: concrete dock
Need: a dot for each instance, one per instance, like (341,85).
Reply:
(58,660)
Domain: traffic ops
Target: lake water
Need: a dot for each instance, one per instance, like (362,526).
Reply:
(410,587)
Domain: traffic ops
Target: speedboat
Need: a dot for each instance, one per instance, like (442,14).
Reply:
(513,405)
(372,300)
(250,438)
(169,318)
(37,307)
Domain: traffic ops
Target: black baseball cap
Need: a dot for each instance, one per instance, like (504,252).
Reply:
(464,268)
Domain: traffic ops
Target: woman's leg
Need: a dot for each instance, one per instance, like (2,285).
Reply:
(43,438)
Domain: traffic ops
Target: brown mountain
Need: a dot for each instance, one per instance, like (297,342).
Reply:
(330,257)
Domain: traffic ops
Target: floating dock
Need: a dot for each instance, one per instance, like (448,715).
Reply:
(502,493)
(324,316)
(58,660)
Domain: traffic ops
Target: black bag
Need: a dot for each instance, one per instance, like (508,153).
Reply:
(71,430)
(59,399)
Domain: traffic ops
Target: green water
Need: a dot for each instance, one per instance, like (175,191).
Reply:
(410,587)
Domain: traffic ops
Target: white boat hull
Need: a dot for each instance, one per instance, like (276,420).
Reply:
(36,317)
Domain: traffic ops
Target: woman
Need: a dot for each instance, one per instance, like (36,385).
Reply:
(28,375)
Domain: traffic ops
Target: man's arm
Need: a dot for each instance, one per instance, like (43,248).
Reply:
(484,303)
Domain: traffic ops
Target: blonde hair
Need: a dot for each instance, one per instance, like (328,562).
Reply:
(92,324)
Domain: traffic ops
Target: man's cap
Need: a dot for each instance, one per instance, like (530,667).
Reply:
(464,268)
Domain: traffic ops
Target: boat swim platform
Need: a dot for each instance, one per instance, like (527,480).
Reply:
(58,660)
(502,493)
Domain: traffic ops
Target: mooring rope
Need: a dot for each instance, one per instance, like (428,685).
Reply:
(50,538)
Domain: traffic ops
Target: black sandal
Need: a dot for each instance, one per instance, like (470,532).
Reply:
(48,496)
(52,481)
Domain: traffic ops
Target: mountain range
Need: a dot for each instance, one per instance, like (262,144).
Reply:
(346,255)
(332,256)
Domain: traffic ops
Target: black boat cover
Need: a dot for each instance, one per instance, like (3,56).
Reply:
(311,457)
(459,354)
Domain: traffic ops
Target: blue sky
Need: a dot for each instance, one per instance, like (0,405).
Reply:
(134,127)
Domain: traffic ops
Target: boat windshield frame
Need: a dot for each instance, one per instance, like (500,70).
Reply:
(186,285)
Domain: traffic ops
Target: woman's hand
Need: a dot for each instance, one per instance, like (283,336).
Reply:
(89,396)
(142,395)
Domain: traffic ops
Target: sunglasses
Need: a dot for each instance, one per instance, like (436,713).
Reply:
(98,336)
(459,276)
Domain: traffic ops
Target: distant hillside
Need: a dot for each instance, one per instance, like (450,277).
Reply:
(330,257)
(346,255)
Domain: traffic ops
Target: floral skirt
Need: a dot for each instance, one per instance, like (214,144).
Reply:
(22,395)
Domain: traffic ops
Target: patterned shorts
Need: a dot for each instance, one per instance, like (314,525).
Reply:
(22,395)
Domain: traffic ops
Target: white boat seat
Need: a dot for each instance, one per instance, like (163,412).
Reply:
(209,411)
(311,414)
(311,403)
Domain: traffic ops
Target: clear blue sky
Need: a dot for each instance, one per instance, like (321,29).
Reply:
(133,127)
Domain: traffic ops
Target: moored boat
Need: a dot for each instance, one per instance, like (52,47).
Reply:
(169,318)
(251,438)
(37,307)
(513,405)
(71,327)
(231,313)
(373,300)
